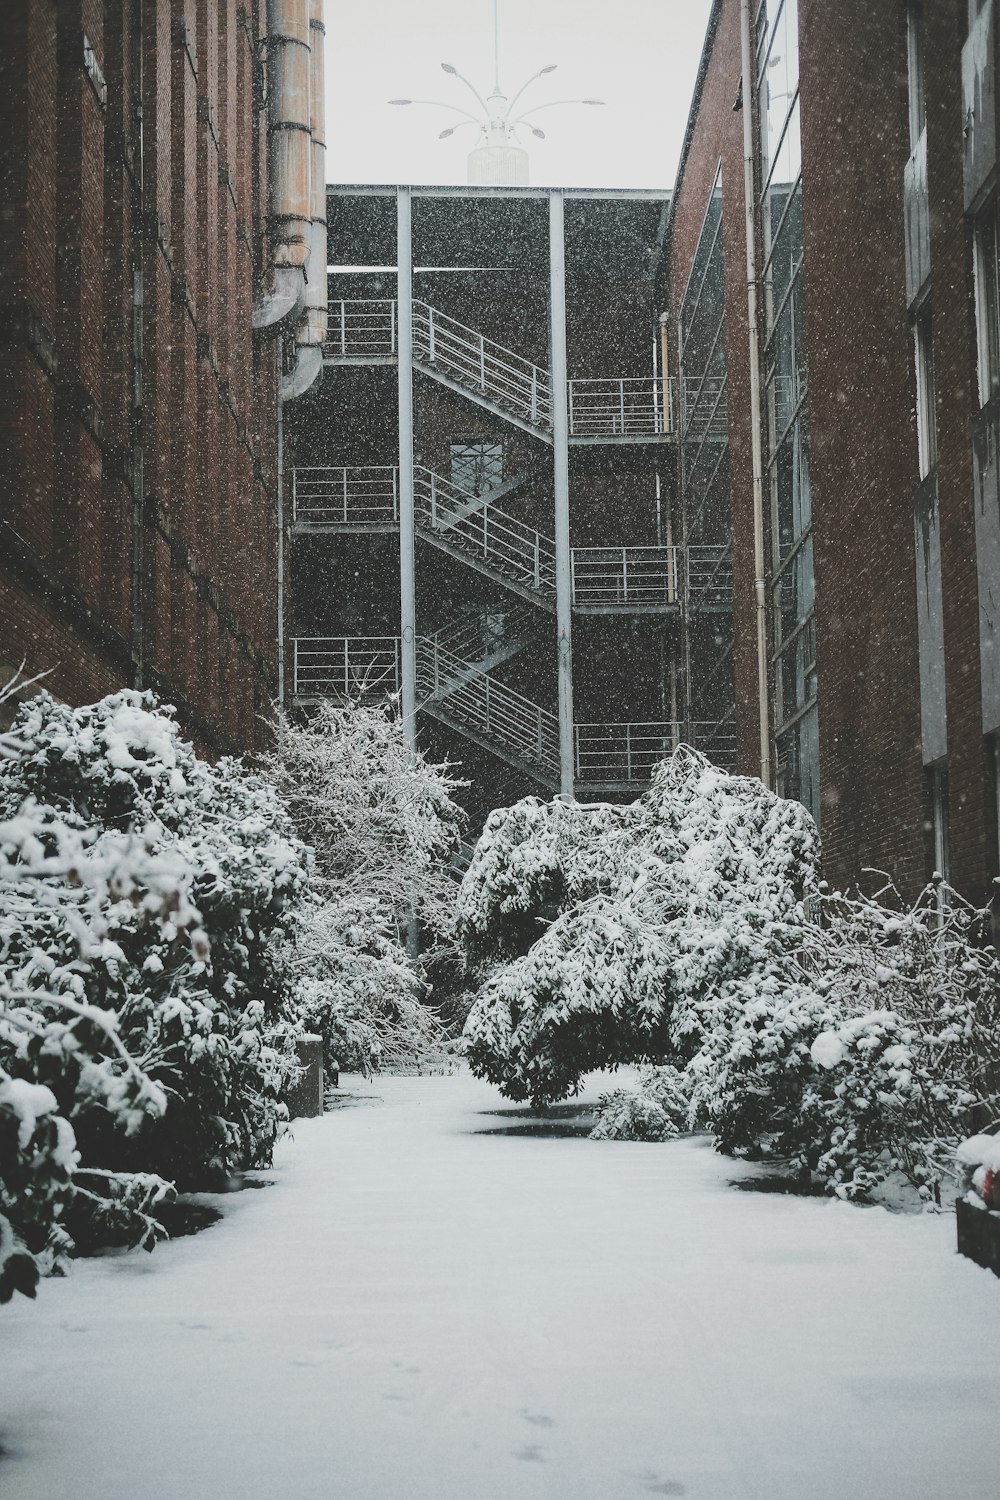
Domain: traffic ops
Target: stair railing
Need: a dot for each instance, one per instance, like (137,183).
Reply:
(622,754)
(499,539)
(513,383)
(624,577)
(482,703)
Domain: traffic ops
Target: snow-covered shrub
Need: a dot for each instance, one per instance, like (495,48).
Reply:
(204,1006)
(656,1110)
(383,826)
(381,821)
(697,883)
(852,1037)
(61,884)
(357,988)
(532,861)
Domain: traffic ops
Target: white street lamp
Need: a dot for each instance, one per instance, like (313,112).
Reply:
(497,158)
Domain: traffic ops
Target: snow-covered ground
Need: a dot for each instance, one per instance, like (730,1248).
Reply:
(428,1305)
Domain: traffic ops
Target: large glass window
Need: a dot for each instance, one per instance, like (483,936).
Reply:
(987,302)
(923,354)
(785,386)
(705,489)
(916,70)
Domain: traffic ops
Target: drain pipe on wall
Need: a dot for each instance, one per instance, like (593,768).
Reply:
(288,165)
(311,330)
(760,580)
(281,540)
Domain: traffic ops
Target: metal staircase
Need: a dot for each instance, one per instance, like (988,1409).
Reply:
(497,378)
(456,677)
(485,537)
(486,711)
(611,408)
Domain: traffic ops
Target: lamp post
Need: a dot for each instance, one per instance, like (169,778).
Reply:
(497,157)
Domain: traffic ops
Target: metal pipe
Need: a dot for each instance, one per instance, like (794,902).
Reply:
(281,541)
(289,139)
(760,579)
(407,581)
(137,434)
(311,332)
(667,415)
(560,471)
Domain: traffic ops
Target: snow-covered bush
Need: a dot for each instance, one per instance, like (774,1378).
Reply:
(180,966)
(852,1037)
(532,861)
(357,989)
(383,826)
(61,884)
(381,821)
(656,1110)
(696,883)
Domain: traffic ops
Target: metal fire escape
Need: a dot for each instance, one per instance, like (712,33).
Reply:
(451,675)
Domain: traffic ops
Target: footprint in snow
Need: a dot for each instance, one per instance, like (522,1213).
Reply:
(537,1419)
(531,1453)
(656,1485)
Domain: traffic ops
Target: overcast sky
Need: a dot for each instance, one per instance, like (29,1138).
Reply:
(641,56)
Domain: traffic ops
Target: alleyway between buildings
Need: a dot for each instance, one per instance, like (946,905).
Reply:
(437,1298)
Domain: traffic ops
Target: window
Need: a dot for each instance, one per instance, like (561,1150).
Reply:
(704,479)
(476,466)
(923,347)
(915,66)
(786,392)
(975,8)
(987,302)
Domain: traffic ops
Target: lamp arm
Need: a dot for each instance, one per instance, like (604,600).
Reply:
(437,104)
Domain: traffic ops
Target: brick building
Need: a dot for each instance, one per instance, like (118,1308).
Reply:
(152,286)
(872,136)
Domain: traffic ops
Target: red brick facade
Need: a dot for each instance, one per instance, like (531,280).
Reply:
(853,78)
(137,517)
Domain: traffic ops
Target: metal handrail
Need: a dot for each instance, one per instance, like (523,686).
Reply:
(704,407)
(483,365)
(497,538)
(474,637)
(483,703)
(622,753)
(361,328)
(709,576)
(717,740)
(345,666)
(620,406)
(625,575)
(355,495)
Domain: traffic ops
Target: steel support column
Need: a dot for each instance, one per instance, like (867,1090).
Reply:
(560,474)
(407,585)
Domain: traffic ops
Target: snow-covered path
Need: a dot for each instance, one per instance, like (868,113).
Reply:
(420,1309)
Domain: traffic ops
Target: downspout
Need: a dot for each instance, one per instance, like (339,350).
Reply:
(668,416)
(311,331)
(281,541)
(136,422)
(288,151)
(756,420)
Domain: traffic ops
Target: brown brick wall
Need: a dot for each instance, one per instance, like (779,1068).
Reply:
(74,227)
(853,80)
